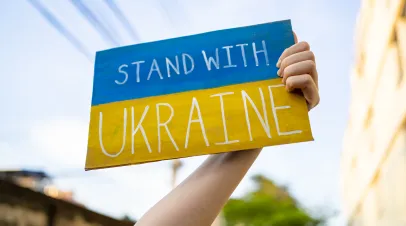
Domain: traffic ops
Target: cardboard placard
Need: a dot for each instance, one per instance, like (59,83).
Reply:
(195,95)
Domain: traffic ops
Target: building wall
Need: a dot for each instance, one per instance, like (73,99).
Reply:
(22,215)
(21,206)
(374,151)
(11,215)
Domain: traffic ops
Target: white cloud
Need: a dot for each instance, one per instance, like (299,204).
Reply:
(18,156)
(63,141)
(6,156)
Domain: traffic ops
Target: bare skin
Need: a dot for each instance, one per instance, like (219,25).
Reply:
(199,199)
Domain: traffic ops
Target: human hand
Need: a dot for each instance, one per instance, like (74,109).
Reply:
(297,68)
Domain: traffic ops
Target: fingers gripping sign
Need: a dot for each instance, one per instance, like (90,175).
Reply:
(297,68)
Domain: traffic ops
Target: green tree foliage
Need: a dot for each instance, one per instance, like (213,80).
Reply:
(268,205)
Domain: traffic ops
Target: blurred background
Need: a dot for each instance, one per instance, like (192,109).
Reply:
(354,173)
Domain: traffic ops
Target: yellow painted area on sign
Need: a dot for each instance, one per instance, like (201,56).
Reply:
(224,119)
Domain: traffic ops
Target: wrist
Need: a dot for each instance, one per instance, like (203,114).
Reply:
(242,154)
(235,158)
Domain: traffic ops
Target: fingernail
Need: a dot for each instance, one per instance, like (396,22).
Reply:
(278,64)
(279,73)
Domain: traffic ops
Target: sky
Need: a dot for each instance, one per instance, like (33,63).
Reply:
(46,88)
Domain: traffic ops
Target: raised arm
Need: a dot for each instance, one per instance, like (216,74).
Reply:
(199,199)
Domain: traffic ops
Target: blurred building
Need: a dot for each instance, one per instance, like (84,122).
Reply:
(38,181)
(35,180)
(24,206)
(374,150)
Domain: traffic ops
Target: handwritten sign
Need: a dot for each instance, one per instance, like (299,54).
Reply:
(201,94)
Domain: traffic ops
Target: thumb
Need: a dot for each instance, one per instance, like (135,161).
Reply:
(295,37)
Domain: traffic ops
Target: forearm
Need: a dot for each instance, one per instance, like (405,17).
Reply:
(199,199)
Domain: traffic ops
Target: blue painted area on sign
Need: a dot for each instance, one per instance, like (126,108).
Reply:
(202,61)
